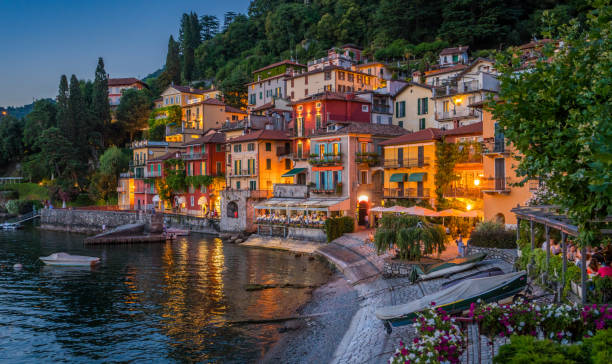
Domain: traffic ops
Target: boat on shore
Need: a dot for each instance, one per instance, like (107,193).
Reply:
(491,272)
(10,226)
(177,232)
(456,298)
(68,260)
(429,271)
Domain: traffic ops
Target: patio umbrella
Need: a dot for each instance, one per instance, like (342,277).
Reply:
(472,213)
(378,209)
(396,208)
(450,212)
(420,211)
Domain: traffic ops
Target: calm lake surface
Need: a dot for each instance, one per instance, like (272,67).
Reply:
(144,303)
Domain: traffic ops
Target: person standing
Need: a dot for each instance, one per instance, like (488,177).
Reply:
(460,249)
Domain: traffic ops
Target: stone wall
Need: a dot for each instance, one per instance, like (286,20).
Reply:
(87,221)
(195,224)
(396,269)
(507,255)
(246,201)
(307,234)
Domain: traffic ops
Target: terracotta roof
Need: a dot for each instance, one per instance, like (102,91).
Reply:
(262,134)
(166,156)
(365,128)
(269,105)
(475,128)
(330,96)
(440,71)
(535,43)
(287,62)
(234,110)
(125,81)
(189,90)
(472,64)
(419,136)
(454,50)
(329,68)
(210,138)
(351,45)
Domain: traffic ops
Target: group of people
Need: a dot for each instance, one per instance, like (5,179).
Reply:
(598,259)
(304,220)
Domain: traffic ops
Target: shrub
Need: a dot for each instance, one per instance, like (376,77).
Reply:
(602,292)
(412,236)
(335,227)
(19,207)
(599,347)
(9,195)
(490,234)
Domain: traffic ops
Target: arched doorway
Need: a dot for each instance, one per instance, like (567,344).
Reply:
(500,218)
(363,208)
(232,209)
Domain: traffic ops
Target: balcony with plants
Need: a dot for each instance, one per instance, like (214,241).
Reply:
(370,158)
(326,160)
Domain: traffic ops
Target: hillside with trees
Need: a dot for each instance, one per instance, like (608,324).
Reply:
(408,33)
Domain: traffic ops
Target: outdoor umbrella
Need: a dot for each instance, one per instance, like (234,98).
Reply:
(421,211)
(378,209)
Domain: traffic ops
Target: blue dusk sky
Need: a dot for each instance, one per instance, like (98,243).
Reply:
(40,40)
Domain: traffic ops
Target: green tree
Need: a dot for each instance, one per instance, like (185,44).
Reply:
(209,25)
(100,106)
(43,116)
(413,236)
(133,111)
(63,115)
(558,117)
(10,138)
(189,39)
(172,73)
(446,158)
(112,162)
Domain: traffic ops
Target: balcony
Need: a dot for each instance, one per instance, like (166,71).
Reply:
(242,173)
(473,193)
(193,156)
(257,194)
(152,174)
(458,113)
(381,109)
(493,185)
(495,148)
(126,175)
(137,163)
(406,163)
(282,151)
(470,158)
(328,160)
(406,193)
(369,158)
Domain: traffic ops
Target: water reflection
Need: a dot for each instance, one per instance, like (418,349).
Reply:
(162,302)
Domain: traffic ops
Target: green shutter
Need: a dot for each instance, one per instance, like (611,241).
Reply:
(418,106)
(397,109)
(426,106)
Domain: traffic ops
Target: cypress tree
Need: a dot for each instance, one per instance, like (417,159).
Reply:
(63,116)
(100,106)
(173,62)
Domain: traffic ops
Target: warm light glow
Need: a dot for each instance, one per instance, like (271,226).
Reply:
(476,182)
(457,100)
(468,207)
(362,198)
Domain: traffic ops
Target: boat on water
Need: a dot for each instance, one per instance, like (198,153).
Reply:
(10,226)
(491,272)
(177,232)
(429,271)
(68,260)
(456,298)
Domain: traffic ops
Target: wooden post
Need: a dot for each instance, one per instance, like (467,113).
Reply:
(532,234)
(518,231)
(583,270)
(564,248)
(547,237)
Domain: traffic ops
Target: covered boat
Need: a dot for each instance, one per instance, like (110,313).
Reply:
(430,271)
(456,298)
(65,259)
(491,272)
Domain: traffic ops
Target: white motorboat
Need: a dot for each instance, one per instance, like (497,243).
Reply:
(65,259)
(10,225)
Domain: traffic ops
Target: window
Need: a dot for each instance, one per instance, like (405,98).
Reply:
(232,207)
(218,147)
(292,95)
(238,185)
(192,201)
(446,106)
(401,124)
(305,92)
(455,58)
(268,147)
(251,147)
(237,148)
(363,177)
(252,99)
(422,107)
(251,166)
(340,75)
(260,95)
(421,123)
(327,75)
(336,148)
(252,185)
(218,171)
(203,170)
(364,108)
(237,167)
(363,147)
(318,121)
(350,77)
(287,163)
(305,80)
(300,149)
(202,189)
(401,109)
(378,119)
(268,164)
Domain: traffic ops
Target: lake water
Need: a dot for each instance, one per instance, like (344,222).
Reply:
(167,302)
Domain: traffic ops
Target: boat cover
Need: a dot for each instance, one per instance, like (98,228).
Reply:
(65,257)
(461,291)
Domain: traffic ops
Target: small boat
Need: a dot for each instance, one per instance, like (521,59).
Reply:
(65,259)
(177,232)
(430,271)
(456,298)
(491,272)
(10,226)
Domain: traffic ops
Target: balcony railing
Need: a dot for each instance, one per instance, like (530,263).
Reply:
(406,163)
(495,185)
(325,160)
(126,175)
(455,114)
(498,146)
(193,156)
(282,151)
(242,173)
(471,158)
(252,193)
(473,193)
(369,158)
(152,174)
(381,109)
(406,193)
(137,163)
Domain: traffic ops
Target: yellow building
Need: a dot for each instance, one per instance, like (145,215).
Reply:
(330,78)
(409,165)
(413,107)
(499,173)
(256,161)
(210,114)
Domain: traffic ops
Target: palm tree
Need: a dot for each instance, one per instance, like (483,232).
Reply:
(412,236)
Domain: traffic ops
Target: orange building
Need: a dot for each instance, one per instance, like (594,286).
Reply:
(499,173)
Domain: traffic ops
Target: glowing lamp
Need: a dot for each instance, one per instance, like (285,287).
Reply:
(362,198)
(476,182)
(468,207)
(457,101)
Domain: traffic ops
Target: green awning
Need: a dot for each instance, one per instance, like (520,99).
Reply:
(398,177)
(294,172)
(417,177)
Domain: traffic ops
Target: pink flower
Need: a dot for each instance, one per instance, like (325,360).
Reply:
(404,351)
(416,340)
(433,303)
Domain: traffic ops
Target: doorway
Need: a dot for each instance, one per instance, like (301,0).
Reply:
(363,213)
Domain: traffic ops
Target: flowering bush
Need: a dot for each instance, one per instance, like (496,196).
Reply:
(440,340)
